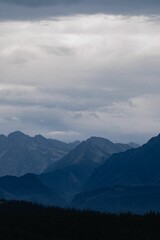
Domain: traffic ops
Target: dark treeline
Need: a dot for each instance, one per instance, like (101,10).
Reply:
(20,220)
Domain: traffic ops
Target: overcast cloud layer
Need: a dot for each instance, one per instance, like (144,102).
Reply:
(73,76)
(37,9)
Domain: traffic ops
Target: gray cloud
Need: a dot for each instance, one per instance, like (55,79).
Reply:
(31,3)
(40,3)
(108,3)
(59,51)
(26,9)
(76,76)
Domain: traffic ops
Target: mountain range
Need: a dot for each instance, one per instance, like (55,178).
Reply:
(96,173)
(21,154)
(128,181)
(70,173)
(29,188)
(63,173)
(140,166)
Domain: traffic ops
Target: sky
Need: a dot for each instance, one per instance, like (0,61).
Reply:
(74,69)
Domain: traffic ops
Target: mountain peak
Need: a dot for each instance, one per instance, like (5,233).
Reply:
(94,151)
(39,138)
(139,166)
(94,138)
(2,137)
(99,141)
(154,140)
(17,135)
(21,153)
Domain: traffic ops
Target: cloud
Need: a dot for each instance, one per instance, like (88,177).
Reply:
(64,135)
(114,3)
(19,56)
(59,51)
(76,76)
(32,3)
(26,9)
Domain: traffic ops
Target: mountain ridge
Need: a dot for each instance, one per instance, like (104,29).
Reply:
(127,181)
(28,187)
(133,167)
(21,154)
(102,145)
(70,173)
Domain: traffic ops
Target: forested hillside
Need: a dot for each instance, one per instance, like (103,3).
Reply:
(27,221)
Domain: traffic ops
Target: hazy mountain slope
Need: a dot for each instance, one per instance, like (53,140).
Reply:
(70,173)
(21,154)
(30,188)
(139,166)
(128,181)
(133,145)
(94,149)
(137,199)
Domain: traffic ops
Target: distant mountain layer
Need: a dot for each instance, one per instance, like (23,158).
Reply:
(94,149)
(71,172)
(116,199)
(63,177)
(140,166)
(29,188)
(21,154)
(128,181)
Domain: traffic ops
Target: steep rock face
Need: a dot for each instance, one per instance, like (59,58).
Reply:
(21,154)
(70,173)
